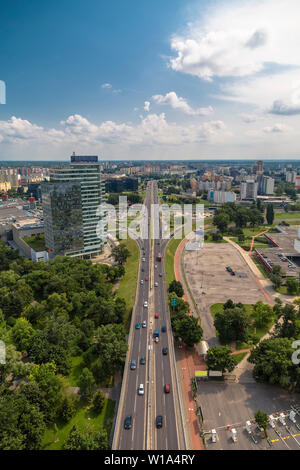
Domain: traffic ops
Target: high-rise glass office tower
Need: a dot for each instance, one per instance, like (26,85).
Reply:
(74,219)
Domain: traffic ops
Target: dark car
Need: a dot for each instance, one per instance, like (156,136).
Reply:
(164,328)
(143,360)
(159,421)
(133,364)
(165,351)
(128,422)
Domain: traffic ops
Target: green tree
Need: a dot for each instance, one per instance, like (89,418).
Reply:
(188,330)
(86,383)
(176,286)
(232,324)
(86,440)
(220,358)
(262,421)
(68,408)
(98,401)
(270,214)
(120,254)
(292,285)
(263,314)
(23,334)
(221,221)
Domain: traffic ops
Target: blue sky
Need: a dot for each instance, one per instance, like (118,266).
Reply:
(149,79)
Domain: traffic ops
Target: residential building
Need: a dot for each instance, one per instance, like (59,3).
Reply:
(249,190)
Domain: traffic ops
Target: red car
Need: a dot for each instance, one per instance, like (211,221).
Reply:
(156,315)
(167,388)
(146,278)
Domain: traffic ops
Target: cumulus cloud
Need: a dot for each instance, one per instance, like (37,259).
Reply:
(238,39)
(176,102)
(147,106)
(154,129)
(248,118)
(283,109)
(276,129)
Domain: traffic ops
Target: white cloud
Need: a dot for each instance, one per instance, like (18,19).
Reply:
(76,129)
(238,39)
(176,102)
(284,109)
(248,118)
(276,129)
(106,85)
(147,106)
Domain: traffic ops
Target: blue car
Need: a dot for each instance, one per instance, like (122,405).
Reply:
(163,328)
(133,364)
(138,325)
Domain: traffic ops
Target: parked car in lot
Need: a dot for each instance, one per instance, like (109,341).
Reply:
(128,422)
(133,364)
(167,388)
(165,351)
(159,421)
(141,390)
(137,325)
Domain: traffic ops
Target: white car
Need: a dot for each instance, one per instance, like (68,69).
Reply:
(141,389)
(156,284)
(142,281)
(144,324)
(146,304)
(144,259)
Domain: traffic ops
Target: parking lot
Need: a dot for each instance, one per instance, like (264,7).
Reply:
(210,282)
(231,405)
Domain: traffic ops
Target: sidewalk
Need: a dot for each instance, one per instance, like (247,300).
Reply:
(189,361)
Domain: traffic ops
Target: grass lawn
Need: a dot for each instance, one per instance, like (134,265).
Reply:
(37,242)
(77,367)
(128,284)
(239,357)
(287,215)
(210,240)
(264,272)
(169,259)
(85,419)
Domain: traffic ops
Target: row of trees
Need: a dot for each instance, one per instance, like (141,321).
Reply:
(184,326)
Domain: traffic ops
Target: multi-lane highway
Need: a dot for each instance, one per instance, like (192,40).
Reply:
(159,369)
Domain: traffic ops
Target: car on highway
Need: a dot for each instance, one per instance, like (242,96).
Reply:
(137,325)
(165,351)
(143,270)
(159,421)
(133,364)
(146,278)
(167,388)
(143,259)
(156,284)
(164,328)
(155,266)
(144,324)
(156,339)
(146,304)
(128,422)
(142,281)
(143,361)
(141,390)
(160,274)
(156,315)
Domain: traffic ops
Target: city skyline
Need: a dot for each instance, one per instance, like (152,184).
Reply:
(185,80)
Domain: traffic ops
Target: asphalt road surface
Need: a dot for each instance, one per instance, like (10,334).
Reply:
(145,408)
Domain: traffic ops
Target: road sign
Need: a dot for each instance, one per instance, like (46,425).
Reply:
(173,301)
